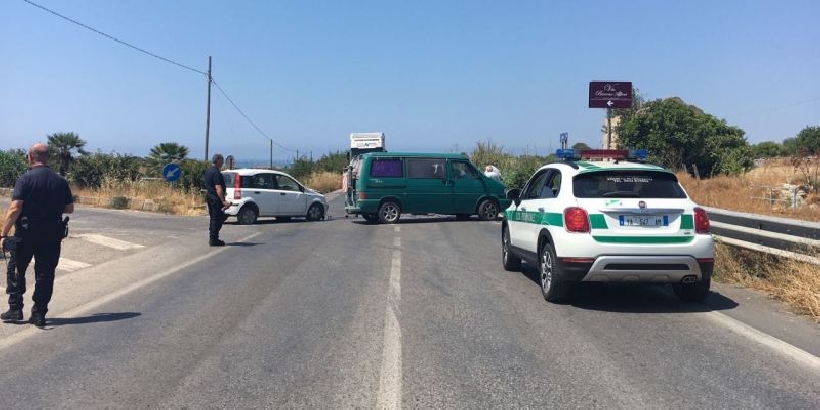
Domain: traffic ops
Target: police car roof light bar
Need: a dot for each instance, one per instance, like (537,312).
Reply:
(626,154)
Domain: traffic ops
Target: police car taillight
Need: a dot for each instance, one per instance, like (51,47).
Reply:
(237,186)
(626,154)
(701,221)
(576,220)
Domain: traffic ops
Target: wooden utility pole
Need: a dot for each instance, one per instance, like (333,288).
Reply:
(208,118)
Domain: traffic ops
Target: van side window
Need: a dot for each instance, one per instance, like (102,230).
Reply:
(461,170)
(425,168)
(387,167)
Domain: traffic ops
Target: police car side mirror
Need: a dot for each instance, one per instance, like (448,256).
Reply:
(514,194)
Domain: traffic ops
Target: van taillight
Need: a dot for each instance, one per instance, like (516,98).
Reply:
(362,195)
(576,220)
(237,186)
(701,221)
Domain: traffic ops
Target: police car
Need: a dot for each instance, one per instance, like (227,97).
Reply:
(608,216)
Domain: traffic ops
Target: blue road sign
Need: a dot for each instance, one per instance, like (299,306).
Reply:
(171,172)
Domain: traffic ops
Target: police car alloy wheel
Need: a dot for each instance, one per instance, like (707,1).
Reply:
(510,261)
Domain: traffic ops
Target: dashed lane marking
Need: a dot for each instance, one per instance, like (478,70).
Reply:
(70,265)
(113,243)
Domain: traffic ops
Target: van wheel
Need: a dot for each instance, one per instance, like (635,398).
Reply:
(315,213)
(510,261)
(488,210)
(389,212)
(247,215)
(693,292)
(552,287)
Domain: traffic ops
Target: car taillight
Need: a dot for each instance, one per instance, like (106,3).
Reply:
(701,221)
(576,220)
(237,187)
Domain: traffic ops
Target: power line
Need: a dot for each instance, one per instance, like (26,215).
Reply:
(114,38)
(249,119)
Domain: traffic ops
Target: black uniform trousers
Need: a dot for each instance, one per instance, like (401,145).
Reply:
(217,214)
(46,254)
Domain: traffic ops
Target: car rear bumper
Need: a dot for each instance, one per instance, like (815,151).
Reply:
(625,268)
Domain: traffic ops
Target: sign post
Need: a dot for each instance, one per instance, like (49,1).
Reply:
(609,95)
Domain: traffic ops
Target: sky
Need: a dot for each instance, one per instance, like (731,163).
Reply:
(436,76)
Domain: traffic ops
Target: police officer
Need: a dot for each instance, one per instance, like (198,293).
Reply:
(40,198)
(215,184)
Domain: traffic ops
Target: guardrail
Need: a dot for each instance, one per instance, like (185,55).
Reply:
(777,236)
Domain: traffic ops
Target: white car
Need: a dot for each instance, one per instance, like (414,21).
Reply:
(255,193)
(617,219)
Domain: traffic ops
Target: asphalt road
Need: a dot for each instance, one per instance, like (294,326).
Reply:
(343,313)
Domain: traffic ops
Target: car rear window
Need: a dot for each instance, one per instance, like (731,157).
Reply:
(228,177)
(627,184)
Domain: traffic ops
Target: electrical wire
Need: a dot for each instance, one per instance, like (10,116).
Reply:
(249,119)
(114,38)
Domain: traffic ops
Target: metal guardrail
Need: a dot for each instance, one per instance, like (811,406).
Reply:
(777,236)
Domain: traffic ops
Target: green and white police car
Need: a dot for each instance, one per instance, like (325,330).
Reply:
(614,219)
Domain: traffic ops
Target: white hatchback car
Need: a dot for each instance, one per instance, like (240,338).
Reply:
(617,219)
(255,193)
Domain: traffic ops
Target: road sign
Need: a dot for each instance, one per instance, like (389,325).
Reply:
(171,172)
(610,94)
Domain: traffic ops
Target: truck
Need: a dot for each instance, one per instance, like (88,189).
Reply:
(360,143)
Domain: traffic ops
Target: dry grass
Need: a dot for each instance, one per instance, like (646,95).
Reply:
(795,283)
(153,196)
(325,182)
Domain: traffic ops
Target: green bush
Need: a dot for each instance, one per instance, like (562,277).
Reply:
(192,173)
(90,171)
(12,165)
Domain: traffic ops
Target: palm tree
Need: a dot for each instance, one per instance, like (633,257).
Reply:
(62,146)
(166,153)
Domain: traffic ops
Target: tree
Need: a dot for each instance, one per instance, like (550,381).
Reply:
(62,146)
(677,134)
(12,165)
(580,145)
(768,149)
(808,140)
(166,153)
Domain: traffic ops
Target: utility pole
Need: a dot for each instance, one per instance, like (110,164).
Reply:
(208,118)
(271,154)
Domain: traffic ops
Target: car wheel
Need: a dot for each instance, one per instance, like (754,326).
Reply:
(695,291)
(488,210)
(389,212)
(315,213)
(553,289)
(511,262)
(247,215)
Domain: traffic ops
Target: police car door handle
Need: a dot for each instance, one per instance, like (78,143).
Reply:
(256,192)
(282,193)
(522,209)
(541,210)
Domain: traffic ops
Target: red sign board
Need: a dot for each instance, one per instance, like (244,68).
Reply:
(609,94)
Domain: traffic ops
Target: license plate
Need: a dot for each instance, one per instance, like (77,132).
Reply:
(644,220)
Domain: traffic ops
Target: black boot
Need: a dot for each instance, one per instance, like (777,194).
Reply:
(37,319)
(12,315)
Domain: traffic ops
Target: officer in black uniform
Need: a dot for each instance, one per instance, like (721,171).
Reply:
(40,198)
(215,184)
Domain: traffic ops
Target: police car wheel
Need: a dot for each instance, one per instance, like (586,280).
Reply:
(315,213)
(510,261)
(693,292)
(389,212)
(552,287)
(488,210)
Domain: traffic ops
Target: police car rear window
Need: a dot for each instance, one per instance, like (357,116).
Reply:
(627,184)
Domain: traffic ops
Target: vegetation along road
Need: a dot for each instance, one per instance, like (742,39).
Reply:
(343,313)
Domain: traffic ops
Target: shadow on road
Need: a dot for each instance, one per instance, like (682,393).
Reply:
(635,297)
(96,317)
(244,244)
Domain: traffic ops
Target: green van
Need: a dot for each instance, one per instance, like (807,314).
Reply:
(387,184)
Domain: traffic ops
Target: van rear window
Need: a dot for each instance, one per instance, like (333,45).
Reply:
(386,168)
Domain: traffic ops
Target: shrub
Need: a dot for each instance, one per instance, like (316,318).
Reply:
(12,165)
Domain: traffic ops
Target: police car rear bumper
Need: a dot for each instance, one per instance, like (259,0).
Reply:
(660,269)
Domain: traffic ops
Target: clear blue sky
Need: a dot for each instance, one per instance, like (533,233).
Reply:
(432,75)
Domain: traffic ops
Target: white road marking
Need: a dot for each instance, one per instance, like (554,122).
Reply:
(113,243)
(70,265)
(798,355)
(389,396)
(397,242)
(95,304)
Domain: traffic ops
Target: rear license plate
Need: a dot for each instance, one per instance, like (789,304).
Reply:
(644,220)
